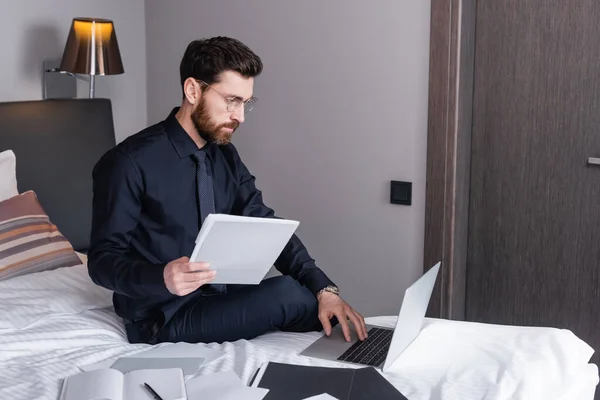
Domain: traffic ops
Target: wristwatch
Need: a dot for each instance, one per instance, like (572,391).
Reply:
(330,289)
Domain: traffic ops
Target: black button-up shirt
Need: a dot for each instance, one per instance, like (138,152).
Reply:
(145,215)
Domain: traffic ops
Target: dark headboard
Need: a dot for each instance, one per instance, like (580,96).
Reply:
(57,143)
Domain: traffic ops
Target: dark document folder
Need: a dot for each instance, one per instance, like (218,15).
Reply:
(297,382)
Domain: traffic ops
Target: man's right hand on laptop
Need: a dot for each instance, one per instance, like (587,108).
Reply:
(183,277)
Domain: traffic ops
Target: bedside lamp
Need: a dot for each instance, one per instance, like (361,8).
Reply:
(92,49)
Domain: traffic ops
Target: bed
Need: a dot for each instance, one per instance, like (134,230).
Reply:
(55,321)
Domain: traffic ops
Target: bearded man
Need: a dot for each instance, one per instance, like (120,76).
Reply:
(151,194)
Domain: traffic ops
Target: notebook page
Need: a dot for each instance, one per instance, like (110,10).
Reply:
(98,384)
(168,383)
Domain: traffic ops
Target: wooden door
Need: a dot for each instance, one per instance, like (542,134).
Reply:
(533,255)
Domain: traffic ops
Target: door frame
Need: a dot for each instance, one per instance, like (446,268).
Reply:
(451,80)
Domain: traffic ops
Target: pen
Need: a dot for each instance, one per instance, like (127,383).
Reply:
(154,394)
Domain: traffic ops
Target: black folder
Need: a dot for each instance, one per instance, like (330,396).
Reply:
(297,382)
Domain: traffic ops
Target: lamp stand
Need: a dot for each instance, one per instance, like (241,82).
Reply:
(92,84)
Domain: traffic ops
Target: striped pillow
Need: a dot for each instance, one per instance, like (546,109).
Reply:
(29,242)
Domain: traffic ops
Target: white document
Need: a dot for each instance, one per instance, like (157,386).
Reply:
(241,249)
(188,365)
(324,396)
(222,386)
(170,352)
(111,384)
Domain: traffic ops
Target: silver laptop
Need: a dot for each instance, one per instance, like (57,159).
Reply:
(384,345)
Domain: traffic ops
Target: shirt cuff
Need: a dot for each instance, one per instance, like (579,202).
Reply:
(316,280)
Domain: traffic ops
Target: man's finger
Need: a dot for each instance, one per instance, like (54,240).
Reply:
(357,322)
(184,289)
(324,318)
(185,292)
(196,266)
(363,324)
(209,278)
(193,285)
(343,320)
(189,285)
(198,276)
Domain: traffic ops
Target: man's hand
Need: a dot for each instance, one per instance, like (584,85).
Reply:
(183,277)
(331,305)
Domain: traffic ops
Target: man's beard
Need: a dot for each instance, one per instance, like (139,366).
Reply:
(210,131)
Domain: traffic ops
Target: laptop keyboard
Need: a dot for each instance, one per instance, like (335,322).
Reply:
(372,351)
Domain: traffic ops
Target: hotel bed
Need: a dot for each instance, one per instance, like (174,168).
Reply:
(57,320)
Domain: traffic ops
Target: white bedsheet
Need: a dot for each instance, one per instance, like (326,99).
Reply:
(449,360)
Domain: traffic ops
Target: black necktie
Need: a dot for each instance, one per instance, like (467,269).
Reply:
(206,201)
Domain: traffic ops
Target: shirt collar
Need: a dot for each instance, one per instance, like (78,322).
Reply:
(182,142)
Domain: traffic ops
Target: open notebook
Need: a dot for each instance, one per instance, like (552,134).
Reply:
(111,384)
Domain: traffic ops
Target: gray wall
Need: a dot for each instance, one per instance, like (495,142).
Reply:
(34,30)
(342,111)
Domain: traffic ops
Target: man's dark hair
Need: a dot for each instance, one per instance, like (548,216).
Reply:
(205,59)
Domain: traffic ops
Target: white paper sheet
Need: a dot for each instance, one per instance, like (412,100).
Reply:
(188,365)
(253,244)
(323,396)
(222,386)
(169,351)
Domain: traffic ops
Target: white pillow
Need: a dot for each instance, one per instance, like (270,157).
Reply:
(8,175)
(26,299)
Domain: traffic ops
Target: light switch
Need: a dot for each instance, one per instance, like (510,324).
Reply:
(401,193)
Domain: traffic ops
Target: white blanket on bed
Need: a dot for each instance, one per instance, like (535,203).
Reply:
(53,322)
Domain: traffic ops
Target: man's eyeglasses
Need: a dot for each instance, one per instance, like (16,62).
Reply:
(235,102)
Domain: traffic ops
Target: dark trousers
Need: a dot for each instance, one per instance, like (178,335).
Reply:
(244,312)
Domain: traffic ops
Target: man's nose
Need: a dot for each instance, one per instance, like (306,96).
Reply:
(238,114)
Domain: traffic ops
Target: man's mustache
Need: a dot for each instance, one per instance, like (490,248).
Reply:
(231,125)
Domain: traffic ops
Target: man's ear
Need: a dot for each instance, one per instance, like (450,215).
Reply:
(192,90)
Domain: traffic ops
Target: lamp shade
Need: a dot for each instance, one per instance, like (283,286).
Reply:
(92,48)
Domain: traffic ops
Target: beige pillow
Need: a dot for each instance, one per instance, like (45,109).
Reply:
(8,175)
(29,242)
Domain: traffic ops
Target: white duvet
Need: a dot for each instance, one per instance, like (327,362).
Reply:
(56,321)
